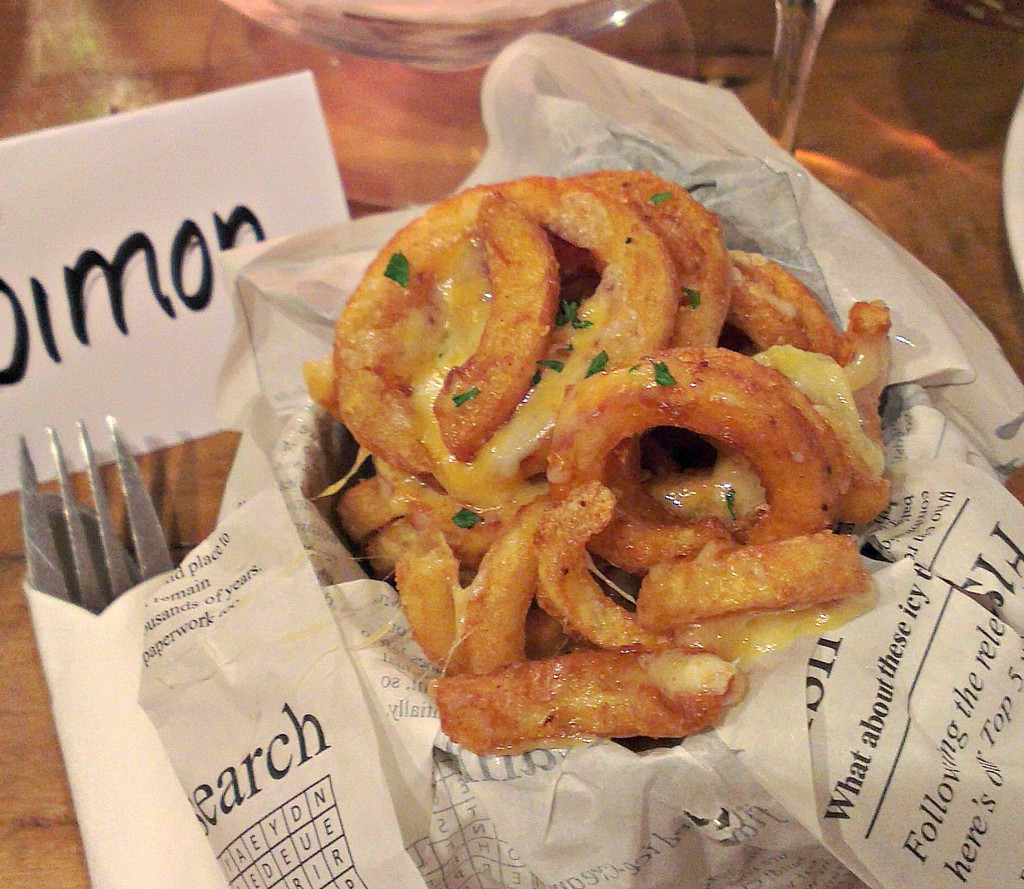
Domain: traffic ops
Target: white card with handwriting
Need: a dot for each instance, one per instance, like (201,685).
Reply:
(112,299)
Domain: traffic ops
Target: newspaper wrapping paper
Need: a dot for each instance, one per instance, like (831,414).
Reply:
(885,745)
(253,694)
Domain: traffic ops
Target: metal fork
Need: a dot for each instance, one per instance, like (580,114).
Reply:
(73,552)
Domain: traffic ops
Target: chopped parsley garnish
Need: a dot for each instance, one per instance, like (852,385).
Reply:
(466,518)
(597,363)
(398,269)
(556,366)
(660,197)
(568,314)
(730,502)
(535,379)
(662,376)
(693,296)
(461,398)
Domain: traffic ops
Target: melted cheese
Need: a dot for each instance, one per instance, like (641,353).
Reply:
(679,674)
(869,365)
(694,494)
(493,477)
(827,385)
(743,637)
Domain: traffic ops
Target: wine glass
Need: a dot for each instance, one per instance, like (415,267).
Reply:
(435,35)
(400,79)
(799,25)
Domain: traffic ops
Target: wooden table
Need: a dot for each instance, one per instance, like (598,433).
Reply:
(907,113)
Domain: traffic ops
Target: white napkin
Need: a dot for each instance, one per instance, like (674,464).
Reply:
(209,667)
(137,827)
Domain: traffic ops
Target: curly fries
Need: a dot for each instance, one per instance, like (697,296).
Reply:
(612,459)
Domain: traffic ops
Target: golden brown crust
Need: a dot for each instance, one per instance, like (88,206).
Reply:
(724,397)
(393,332)
(773,308)
(694,238)
(556,421)
(580,696)
(568,590)
(479,395)
(726,578)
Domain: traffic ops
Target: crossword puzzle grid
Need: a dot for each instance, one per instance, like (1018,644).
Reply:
(464,851)
(300,845)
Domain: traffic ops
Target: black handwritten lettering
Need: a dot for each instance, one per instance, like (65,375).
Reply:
(190,238)
(15,369)
(228,230)
(75,278)
(189,245)
(42,305)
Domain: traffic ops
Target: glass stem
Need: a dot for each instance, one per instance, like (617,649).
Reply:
(798,28)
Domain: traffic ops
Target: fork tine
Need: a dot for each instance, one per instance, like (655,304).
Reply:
(89,590)
(41,559)
(151,548)
(118,572)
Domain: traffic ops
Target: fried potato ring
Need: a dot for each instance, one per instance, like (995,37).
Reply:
(647,531)
(866,358)
(633,304)
(480,394)
(584,695)
(470,533)
(694,239)
(770,307)
(427,577)
(636,298)
(371,504)
(494,625)
(568,590)
(744,637)
(365,508)
(318,375)
(728,578)
(481,626)
(847,397)
(538,369)
(729,400)
(385,547)
(826,386)
(389,336)
(389,330)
